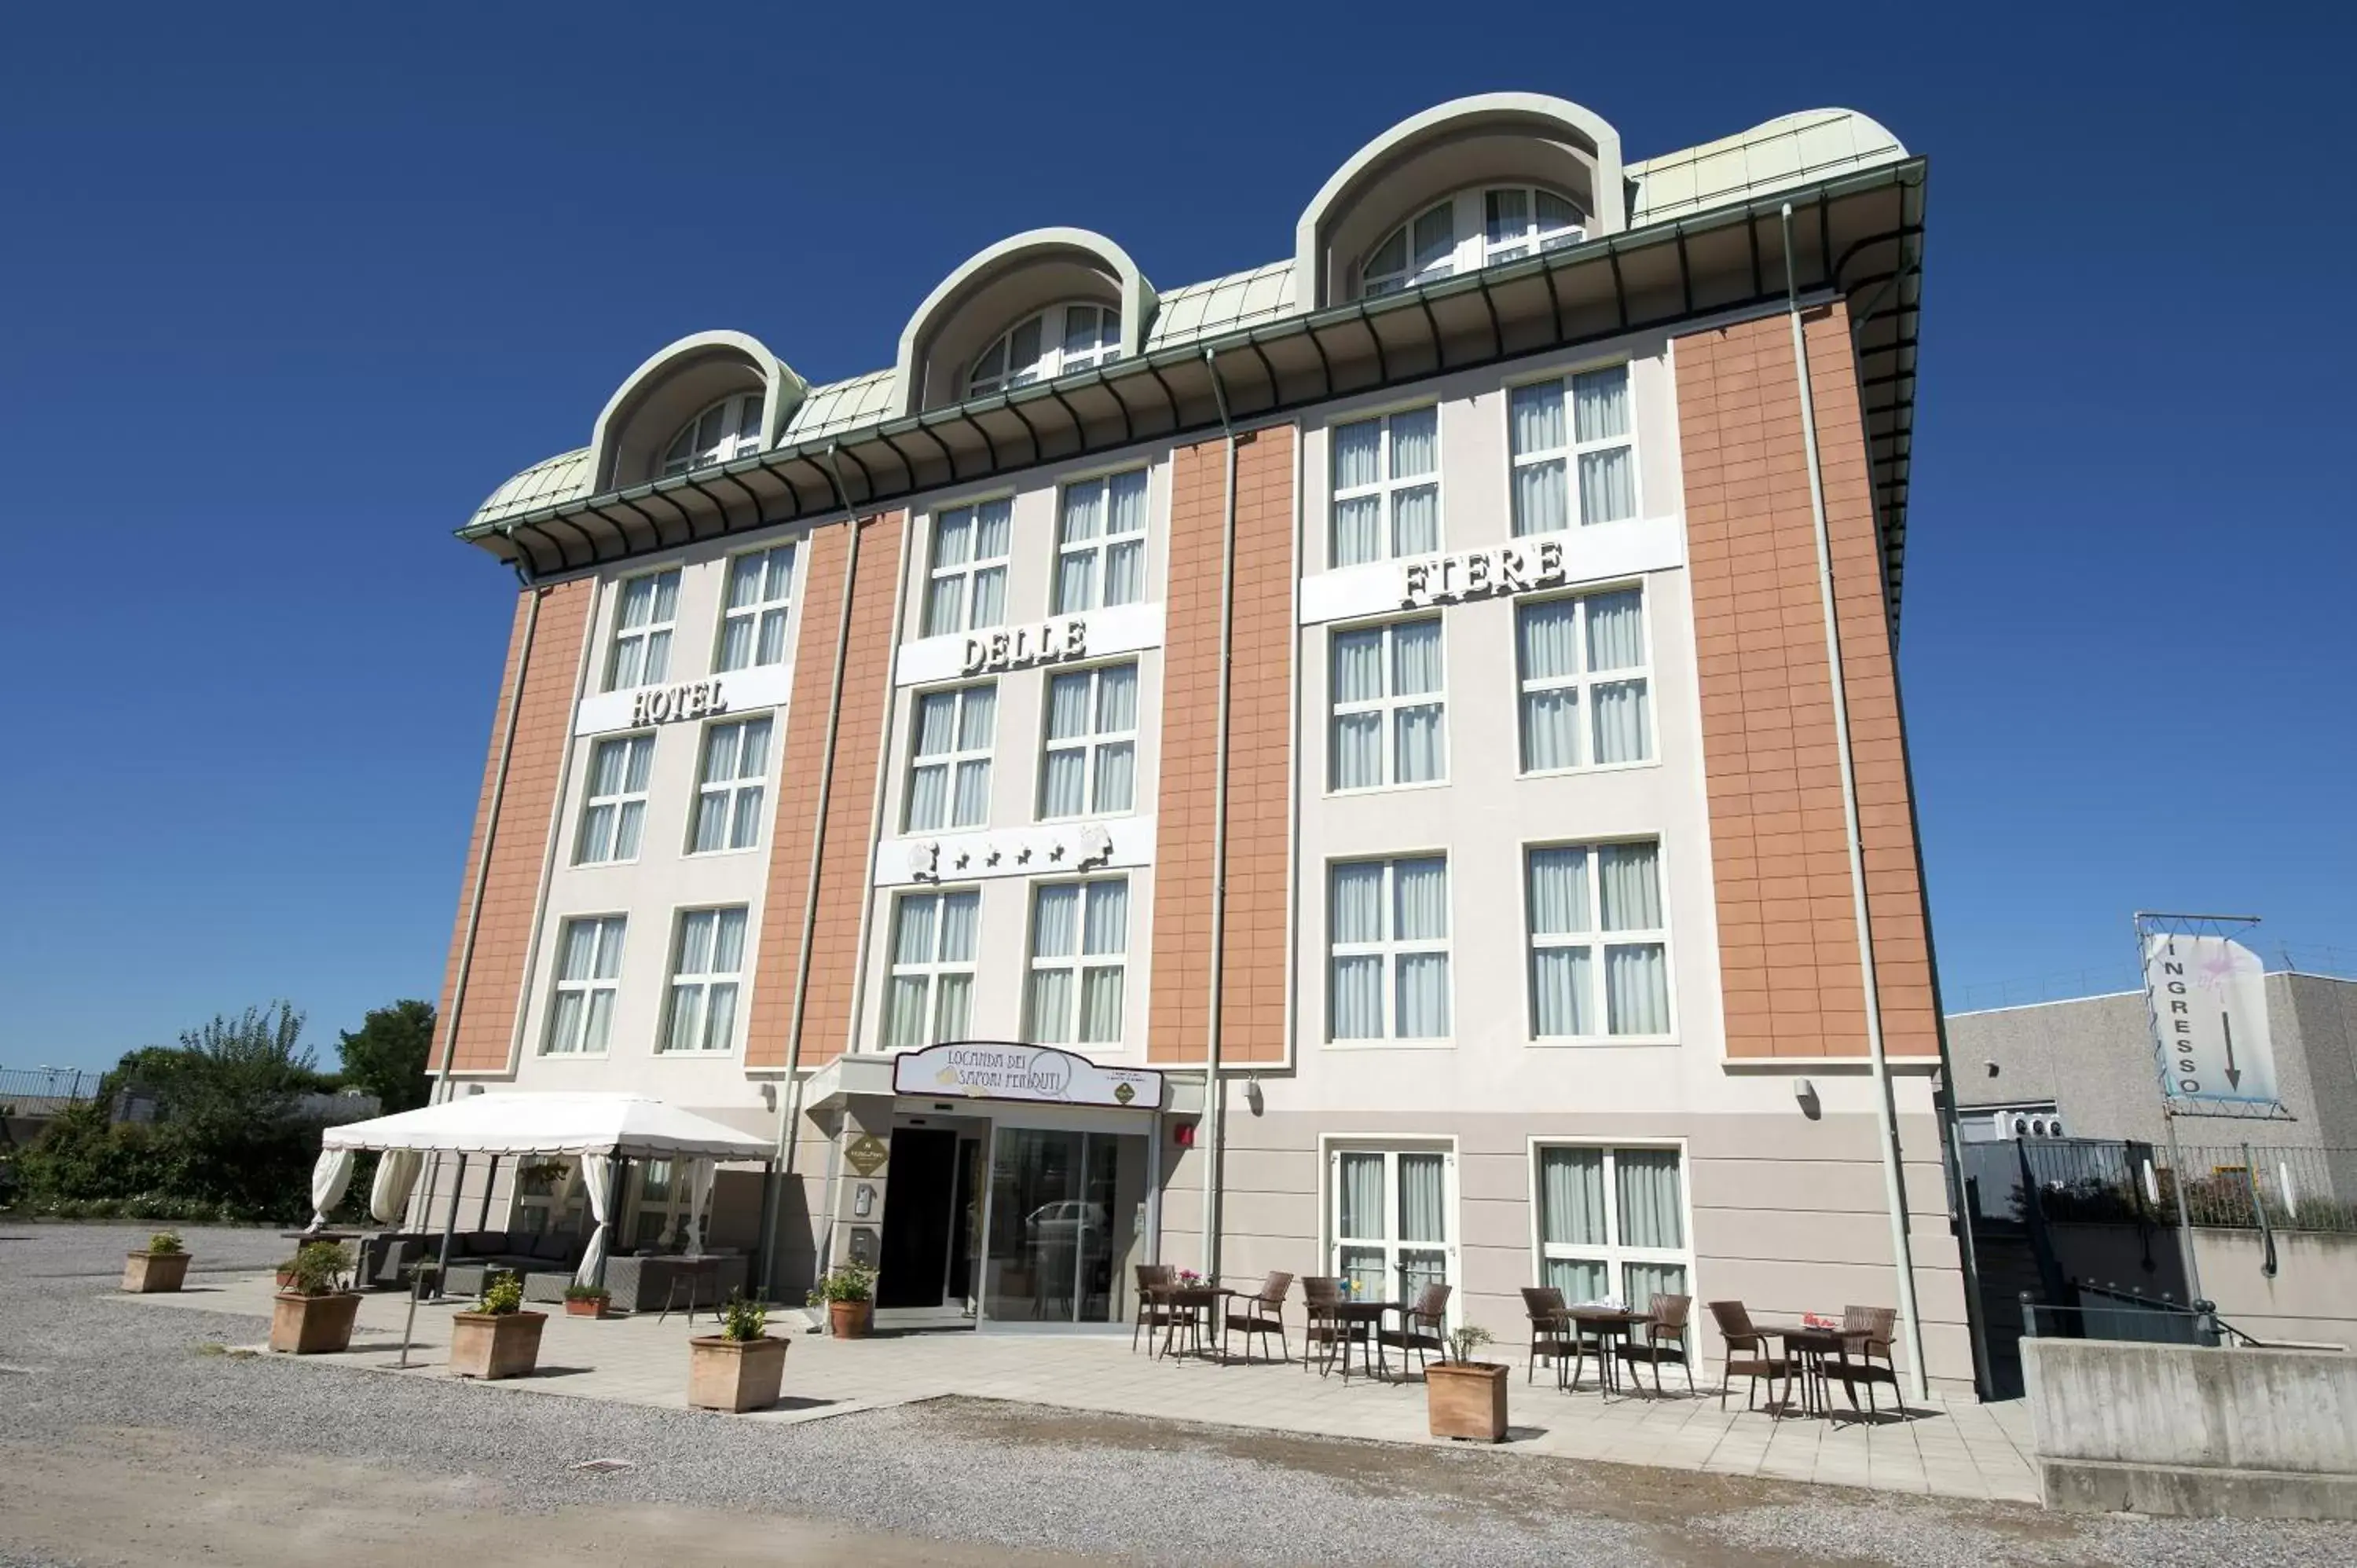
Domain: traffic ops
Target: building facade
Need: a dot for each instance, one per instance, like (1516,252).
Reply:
(1388,764)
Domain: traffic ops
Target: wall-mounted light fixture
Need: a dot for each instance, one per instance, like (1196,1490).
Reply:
(1804,1094)
(1253,1095)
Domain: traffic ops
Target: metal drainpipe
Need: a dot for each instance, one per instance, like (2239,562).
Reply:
(1214,1104)
(1894,1195)
(791,1109)
(441,1091)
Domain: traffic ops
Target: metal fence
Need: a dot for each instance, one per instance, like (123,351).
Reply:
(2107,1182)
(35,1091)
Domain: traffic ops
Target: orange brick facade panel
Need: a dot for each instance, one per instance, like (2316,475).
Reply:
(849,801)
(1788,929)
(1253,976)
(493,976)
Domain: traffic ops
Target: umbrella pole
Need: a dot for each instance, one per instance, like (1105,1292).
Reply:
(450,1225)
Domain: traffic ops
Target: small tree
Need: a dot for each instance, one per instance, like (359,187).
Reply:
(386,1056)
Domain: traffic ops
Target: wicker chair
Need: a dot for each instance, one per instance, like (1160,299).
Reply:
(1424,1329)
(1260,1314)
(1328,1330)
(1866,1333)
(1747,1356)
(1554,1338)
(1153,1312)
(1664,1339)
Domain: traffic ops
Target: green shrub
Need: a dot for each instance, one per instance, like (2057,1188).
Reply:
(848,1282)
(588,1293)
(1466,1338)
(165,1242)
(318,1267)
(502,1294)
(742,1319)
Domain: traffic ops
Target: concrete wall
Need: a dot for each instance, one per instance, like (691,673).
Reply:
(2177,1429)
(2313,1295)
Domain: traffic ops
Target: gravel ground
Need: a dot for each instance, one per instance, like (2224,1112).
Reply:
(82,1380)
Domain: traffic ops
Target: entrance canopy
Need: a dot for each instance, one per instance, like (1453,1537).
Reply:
(628,1125)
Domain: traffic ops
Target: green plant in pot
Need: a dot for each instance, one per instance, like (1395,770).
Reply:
(742,1367)
(849,1291)
(312,1313)
(1465,1398)
(163,1266)
(587,1300)
(498,1339)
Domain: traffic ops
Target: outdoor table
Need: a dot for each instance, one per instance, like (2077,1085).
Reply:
(1605,1326)
(1189,1305)
(693,1270)
(1805,1349)
(1365,1319)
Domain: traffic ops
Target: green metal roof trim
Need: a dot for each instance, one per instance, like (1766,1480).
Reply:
(548,482)
(1707,263)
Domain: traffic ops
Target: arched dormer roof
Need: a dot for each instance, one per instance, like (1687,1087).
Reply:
(676,385)
(997,288)
(1502,138)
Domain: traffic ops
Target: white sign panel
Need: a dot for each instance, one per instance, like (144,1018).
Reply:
(983,1069)
(2209,1003)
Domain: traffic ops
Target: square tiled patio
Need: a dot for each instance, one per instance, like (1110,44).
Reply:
(1958,1449)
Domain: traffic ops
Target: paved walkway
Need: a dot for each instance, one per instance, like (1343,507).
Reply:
(1966,1450)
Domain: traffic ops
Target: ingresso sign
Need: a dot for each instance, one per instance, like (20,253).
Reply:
(2209,1001)
(990,1070)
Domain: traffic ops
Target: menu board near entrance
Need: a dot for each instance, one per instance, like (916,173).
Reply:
(986,1070)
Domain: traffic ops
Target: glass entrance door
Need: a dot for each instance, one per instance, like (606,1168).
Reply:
(1066,1225)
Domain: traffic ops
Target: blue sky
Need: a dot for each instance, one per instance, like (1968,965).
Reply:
(288,292)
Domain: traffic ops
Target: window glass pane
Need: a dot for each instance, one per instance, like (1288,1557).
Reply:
(1357,530)
(1068,707)
(1358,454)
(1083,511)
(1055,926)
(1623,722)
(1652,1214)
(1101,1006)
(1116,777)
(1127,509)
(1359,665)
(1435,239)
(1562,983)
(1108,919)
(1571,1199)
(1415,658)
(959,914)
(1415,520)
(936,722)
(1600,398)
(1116,699)
(1124,574)
(1420,746)
(1359,1196)
(991,525)
(1550,640)
(913,942)
(1541,500)
(1538,418)
(1558,892)
(1051,1006)
(1358,1000)
(1416,443)
(1551,730)
(1510,215)
(1607,486)
(1359,903)
(1616,630)
(1422,1205)
(1628,877)
(1063,783)
(1637,986)
(1423,891)
(1358,750)
(977,717)
(1423,1000)
(1579,1278)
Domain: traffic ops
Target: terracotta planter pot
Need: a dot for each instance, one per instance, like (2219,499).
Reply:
(734,1374)
(490,1344)
(286,1278)
(146,1273)
(1466,1400)
(849,1319)
(312,1324)
(575,1306)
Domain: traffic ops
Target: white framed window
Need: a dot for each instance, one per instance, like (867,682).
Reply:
(1390,711)
(931,989)
(753,618)
(949,759)
(1058,341)
(1100,544)
(1388,968)
(660,1212)
(707,971)
(613,816)
(1422,248)
(968,587)
(1394,1223)
(1520,221)
(1593,438)
(731,786)
(643,623)
(1386,499)
(1612,1222)
(1586,682)
(1090,766)
(1472,228)
(728,429)
(589,970)
(1600,941)
(1080,946)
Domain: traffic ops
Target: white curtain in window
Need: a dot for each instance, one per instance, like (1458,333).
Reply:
(1579,1278)
(977,716)
(1436,240)
(989,597)
(1107,928)
(1358,1000)
(1415,658)
(1357,530)
(953,1002)
(1358,750)
(1541,500)
(1358,454)
(1650,1213)
(1064,784)
(1076,582)
(1358,1196)
(1616,630)
(1608,485)
(1423,996)
(1359,903)
(1561,983)
(1423,887)
(1068,707)
(1116,699)
(1416,443)
(1637,981)
(929,790)
(1084,515)
(1558,892)
(1571,1206)
(1423,1208)
(1101,1006)
(1421,744)
(991,525)
(1628,877)
(1125,572)
(904,1022)
(1601,401)
(1624,721)
(1357,665)
(1051,1006)
(1550,640)
(1646,1281)
(1055,926)
(1116,777)
(1415,520)
(1125,512)
(960,914)
(936,722)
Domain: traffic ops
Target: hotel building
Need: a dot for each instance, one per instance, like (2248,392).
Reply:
(1387,764)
